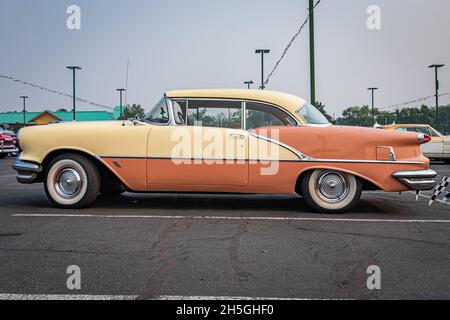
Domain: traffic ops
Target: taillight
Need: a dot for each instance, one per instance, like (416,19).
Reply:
(424,138)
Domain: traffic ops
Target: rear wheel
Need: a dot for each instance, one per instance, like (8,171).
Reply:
(72,181)
(330,191)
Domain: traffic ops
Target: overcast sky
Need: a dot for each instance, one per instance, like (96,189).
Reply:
(182,44)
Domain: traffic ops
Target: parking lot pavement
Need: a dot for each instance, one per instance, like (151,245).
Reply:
(160,246)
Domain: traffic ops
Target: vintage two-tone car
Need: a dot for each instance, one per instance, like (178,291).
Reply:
(222,141)
(439,146)
(8,143)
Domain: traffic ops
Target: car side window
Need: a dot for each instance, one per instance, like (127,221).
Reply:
(261,115)
(215,113)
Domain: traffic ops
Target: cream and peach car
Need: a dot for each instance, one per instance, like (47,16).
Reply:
(222,141)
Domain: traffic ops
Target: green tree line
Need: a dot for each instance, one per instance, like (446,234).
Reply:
(362,116)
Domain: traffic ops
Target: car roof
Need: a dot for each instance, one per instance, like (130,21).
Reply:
(285,100)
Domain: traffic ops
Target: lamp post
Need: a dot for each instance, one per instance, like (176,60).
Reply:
(24,107)
(262,52)
(121,91)
(373,104)
(312,68)
(248,83)
(436,67)
(74,68)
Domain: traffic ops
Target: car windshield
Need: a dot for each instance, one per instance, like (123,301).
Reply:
(311,115)
(159,113)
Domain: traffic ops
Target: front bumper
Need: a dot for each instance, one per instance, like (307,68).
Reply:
(27,172)
(417,180)
(9,150)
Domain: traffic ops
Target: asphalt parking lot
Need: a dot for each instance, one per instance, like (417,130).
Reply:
(194,246)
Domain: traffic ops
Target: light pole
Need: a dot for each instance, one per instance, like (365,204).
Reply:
(24,107)
(312,68)
(248,83)
(74,68)
(373,104)
(262,52)
(121,92)
(436,67)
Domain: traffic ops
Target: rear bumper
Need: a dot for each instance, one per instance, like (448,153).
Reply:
(417,180)
(27,172)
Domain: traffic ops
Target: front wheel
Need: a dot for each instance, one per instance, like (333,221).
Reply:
(330,191)
(72,181)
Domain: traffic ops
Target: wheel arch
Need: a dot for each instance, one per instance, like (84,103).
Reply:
(368,184)
(107,175)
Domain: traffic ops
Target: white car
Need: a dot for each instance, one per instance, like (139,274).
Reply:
(439,146)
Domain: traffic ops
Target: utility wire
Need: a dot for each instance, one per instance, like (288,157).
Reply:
(290,43)
(54,92)
(402,104)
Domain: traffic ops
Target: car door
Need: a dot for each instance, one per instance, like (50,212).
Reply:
(207,146)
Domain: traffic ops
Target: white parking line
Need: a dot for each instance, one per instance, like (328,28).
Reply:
(224,218)
(9,296)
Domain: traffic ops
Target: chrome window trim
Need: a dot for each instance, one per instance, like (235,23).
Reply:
(243,108)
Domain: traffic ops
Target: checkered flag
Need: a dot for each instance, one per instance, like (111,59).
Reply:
(439,189)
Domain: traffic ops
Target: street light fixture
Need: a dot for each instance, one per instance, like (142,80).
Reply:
(74,68)
(248,83)
(121,93)
(436,67)
(373,104)
(24,109)
(262,52)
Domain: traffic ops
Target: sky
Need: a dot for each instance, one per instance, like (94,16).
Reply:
(184,44)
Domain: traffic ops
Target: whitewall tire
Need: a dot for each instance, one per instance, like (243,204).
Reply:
(71,181)
(330,191)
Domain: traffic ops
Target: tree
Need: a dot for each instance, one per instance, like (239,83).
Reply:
(356,116)
(134,111)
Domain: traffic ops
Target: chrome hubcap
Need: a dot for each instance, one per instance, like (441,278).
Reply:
(68,182)
(332,186)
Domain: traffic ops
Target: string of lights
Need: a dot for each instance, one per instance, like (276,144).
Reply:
(288,46)
(52,91)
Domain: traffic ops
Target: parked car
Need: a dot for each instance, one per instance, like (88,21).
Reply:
(222,141)
(439,146)
(8,144)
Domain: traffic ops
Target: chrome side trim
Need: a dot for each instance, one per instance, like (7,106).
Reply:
(293,150)
(363,161)
(417,180)
(272,160)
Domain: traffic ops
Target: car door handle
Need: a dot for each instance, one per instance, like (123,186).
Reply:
(237,135)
